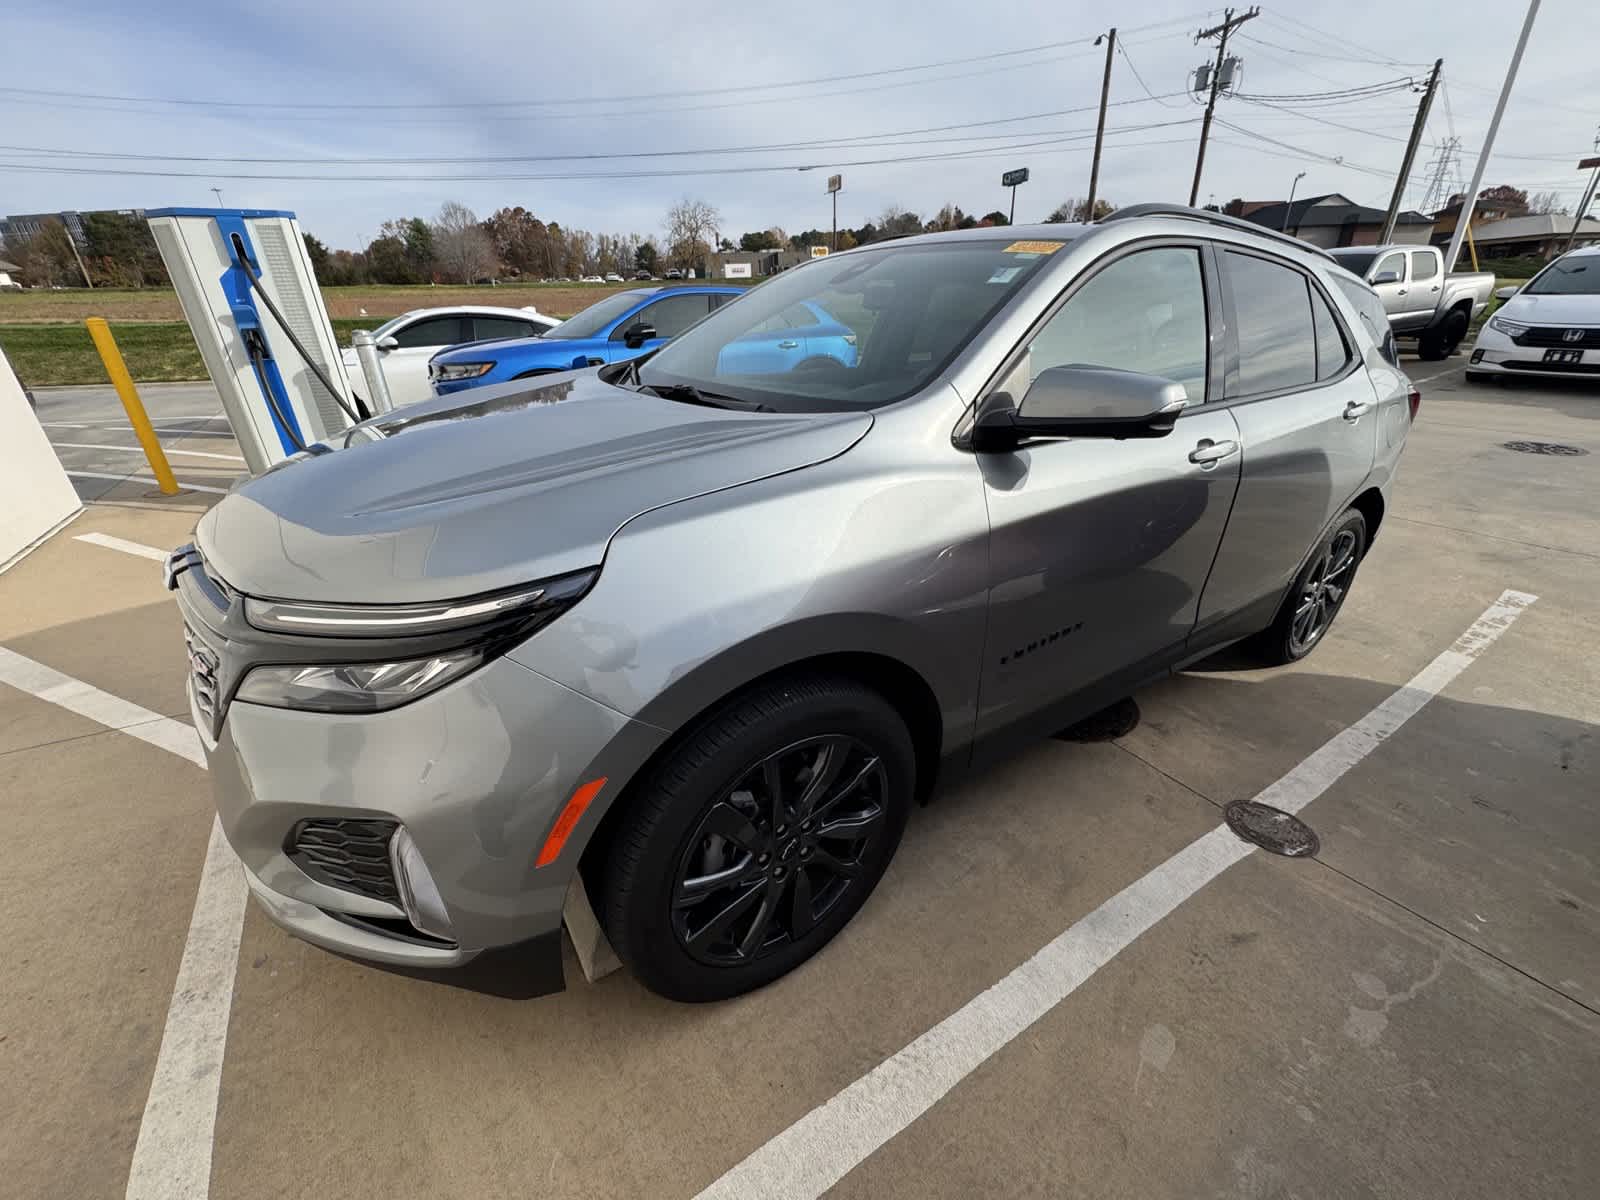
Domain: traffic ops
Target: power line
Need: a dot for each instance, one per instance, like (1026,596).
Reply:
(856,141)
(1337,160)
(1375,62)
(692,93)
(1122,49)
(746,169)
(1301,24)
(1305,116)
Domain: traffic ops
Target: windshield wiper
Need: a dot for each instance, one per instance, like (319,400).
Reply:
(687,393)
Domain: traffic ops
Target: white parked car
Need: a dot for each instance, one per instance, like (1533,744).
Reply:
(613,277)
(590,279)
(1550,326)
(407,342)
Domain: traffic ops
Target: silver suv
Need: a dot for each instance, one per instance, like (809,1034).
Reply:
(696,632)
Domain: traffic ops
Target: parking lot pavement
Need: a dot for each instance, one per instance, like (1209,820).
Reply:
(1415,1012)
(97,446)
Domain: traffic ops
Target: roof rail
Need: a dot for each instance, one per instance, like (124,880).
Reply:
(1220,219)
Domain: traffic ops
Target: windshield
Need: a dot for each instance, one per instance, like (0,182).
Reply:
(1356,261)
(389,326)
(858,331)
(596,317)
(1573,275)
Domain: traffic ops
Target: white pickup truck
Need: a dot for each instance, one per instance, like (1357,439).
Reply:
(1422,301)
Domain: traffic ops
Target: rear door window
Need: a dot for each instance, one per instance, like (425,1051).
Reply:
(1272,312)
(1373,316)
(486,328)
(431,331)
(1423,265)
(1332,353)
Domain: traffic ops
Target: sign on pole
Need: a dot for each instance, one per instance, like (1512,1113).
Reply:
(835,182)
(1012,178)
(819,252)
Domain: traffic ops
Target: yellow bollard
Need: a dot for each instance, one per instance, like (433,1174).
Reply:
(129,395)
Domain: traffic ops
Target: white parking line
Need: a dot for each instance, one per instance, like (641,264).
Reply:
(172,1157)
(1441,374)
(111,542)
(140,450)
(818,1150)
(150,479)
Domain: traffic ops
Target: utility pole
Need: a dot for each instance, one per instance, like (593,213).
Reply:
(1470,200)
(1221,33)
(1588,193)
(83,270)
(1100,127)
(1411,153)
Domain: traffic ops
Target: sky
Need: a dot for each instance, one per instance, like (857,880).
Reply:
(731,100)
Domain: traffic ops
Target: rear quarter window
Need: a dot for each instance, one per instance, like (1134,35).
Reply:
(1370,309)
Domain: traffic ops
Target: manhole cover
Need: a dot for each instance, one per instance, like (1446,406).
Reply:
(1271,829)
(1557,448)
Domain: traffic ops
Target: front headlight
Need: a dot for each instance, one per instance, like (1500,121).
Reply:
(419,648)
(450,372)
(355,687)
(1508,327)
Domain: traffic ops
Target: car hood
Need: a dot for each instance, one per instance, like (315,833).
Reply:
(492,488)
(1552,310)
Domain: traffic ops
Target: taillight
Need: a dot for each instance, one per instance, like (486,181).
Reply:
(1414,398)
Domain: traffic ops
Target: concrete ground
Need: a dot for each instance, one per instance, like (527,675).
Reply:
(1415,1012)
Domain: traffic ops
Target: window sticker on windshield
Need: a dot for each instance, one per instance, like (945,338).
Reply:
(1031,248)
(1005,274)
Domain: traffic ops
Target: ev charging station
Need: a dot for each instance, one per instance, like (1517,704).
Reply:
(250,297)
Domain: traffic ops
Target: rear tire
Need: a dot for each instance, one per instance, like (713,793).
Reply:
(731,869)
(1318,594)
(1441,343)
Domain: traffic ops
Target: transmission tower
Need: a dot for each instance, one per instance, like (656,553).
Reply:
(1444,175)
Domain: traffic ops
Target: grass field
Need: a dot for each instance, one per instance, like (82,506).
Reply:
(43,336)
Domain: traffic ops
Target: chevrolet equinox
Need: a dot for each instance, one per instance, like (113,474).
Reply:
(697,638)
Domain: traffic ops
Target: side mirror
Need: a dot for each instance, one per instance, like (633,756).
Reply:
(1385,277)
(1074,401)
(1506,293)
(388,343)
(638,335)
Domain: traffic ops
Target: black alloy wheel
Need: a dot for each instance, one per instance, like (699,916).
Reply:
(785,845)
(1319,592)
(1324,590)
(757,837)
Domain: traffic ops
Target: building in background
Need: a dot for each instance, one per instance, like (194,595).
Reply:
(19,227)
(754,264)
(1332,220)
(10,274)
(1537,235)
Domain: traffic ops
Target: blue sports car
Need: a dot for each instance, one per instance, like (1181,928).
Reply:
(629,324)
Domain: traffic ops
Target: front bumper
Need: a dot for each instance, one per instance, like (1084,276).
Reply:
(1495,353)
(476,773)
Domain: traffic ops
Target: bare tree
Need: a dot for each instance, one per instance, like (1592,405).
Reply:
(1547,202)
(1076,208)
(691,224)
(461,247)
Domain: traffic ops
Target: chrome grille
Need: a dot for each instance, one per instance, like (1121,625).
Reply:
(1560,336)
(203,665)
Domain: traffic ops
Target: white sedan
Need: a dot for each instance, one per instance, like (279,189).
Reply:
(1551,326)
(407,342)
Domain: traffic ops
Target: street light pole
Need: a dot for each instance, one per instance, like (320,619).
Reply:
(1287,208)
(217,192)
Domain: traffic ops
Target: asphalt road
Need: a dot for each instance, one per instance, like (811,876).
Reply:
(1414,1012)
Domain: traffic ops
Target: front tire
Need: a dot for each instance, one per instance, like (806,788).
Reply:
(758,838)
(1319,592)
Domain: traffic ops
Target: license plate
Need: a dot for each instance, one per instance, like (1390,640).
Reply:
(1563,356)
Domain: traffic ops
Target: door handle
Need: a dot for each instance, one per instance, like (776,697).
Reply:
(1356,409)
(788,344)
(1208,453)
(1401,292)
